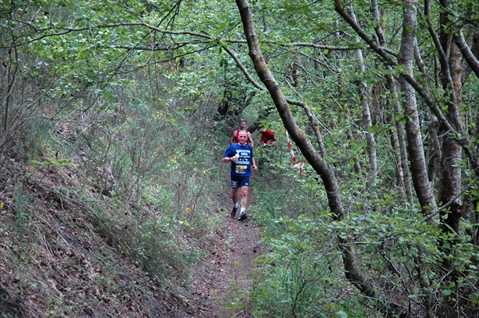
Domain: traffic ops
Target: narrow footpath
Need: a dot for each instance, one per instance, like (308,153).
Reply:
(222,286)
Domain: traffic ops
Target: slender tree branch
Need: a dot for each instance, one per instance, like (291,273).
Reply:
(445,206)
(314,124)
(243,69)
(437,43)
(467,53)
(360,32)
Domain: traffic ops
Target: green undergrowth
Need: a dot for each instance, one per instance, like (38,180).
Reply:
(135,189)
(301,274)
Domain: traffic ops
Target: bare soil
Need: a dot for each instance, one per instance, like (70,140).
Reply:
(224,282)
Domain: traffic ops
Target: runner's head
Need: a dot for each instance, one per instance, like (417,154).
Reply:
(242,124)
(242,137)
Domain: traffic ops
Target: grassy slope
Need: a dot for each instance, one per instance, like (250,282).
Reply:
(57,260)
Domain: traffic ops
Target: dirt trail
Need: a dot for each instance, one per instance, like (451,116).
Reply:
(222,286)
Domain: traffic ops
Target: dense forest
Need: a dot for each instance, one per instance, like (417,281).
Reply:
(115,116)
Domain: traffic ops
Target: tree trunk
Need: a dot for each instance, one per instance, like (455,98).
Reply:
(434,147)
(364,93)
(413,128)
(450,183)
(404,180)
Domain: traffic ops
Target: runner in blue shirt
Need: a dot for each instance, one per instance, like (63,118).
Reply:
(241,157)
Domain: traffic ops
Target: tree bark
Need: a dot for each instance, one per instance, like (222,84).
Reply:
(470,54)
(434,153)
(364,92)
(450,183)
(413,129)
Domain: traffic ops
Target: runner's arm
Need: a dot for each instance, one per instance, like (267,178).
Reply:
(228,155)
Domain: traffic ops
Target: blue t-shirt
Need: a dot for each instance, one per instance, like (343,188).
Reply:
(241,168)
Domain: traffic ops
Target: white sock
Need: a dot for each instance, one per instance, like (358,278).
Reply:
(242,210)
(236,205)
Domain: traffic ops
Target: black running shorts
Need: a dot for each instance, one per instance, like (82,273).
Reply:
(238,182)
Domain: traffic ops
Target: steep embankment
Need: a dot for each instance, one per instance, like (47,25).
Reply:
(57,259)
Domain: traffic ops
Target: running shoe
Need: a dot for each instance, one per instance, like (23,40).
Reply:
(233,212)
(242,217)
